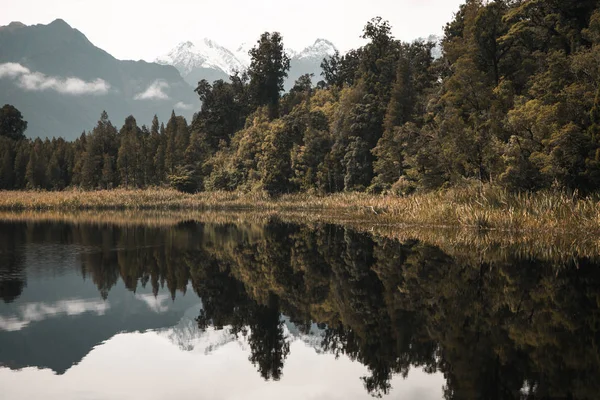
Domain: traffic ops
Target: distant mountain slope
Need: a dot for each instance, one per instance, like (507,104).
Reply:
(61,82)
(309,60)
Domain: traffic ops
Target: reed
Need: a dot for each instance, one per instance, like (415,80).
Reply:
(483,209)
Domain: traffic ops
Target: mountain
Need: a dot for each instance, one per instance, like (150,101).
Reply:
(206,59)
(308,61)
(61,82)
(188,337)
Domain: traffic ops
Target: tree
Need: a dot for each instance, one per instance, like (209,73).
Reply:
(225,107)
(101,142)
(108,178)
(7,164)
(35,173)
(268,69)
(128,160)
(12,124)
(23,150)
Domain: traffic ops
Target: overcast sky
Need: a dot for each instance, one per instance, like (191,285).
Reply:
(146,29)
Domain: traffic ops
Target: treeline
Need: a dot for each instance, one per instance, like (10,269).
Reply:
(514,101)
(105,158)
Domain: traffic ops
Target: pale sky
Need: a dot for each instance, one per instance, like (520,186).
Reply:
(130,29)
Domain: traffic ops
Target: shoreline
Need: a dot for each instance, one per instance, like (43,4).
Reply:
(459,241)
(487,209)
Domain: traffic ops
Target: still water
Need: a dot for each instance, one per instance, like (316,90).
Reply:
(282,311)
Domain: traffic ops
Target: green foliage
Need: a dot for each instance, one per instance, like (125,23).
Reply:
(268,69)
(183,179)
(12,124)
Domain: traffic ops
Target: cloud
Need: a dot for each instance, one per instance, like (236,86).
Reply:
(36,81)
(12,70)
(32,312)
(184,106)
(154,92)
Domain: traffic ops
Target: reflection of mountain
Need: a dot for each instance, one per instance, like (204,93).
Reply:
(492,322)
(60,317)
(188,337)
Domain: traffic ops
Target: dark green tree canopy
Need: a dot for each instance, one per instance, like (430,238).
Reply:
(268,69)
(12,124)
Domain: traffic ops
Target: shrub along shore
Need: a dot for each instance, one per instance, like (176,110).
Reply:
(486,208)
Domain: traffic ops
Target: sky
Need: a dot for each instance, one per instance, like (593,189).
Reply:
(135,29)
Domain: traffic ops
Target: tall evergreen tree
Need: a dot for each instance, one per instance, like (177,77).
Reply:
(268,69)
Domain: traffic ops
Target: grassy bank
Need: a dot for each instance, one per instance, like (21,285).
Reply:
(487,209)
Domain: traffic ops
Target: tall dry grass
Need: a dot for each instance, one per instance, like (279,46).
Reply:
(483,209)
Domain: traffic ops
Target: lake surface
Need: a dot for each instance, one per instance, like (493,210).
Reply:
(273,310)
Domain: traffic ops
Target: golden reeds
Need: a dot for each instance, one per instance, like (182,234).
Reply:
(482,209)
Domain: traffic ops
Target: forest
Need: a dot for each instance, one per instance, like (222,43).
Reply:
(514,101)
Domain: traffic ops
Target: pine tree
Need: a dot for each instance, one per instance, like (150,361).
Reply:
(7,163)
(268,69)
(35,173)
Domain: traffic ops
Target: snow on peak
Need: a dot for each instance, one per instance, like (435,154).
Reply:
(320,49)
(188,56)
(207,53)
(243,53)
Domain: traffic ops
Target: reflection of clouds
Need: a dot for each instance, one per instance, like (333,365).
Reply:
(12,324)
(32,312)
(155,304)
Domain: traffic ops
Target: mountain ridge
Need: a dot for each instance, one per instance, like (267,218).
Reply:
(61,82)
(195,59)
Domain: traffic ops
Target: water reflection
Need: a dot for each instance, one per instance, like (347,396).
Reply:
(495,325)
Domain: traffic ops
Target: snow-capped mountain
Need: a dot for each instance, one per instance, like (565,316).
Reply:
(320,49)
(205,59)
(308,61)
(208,60)
(243,52)
(188,337)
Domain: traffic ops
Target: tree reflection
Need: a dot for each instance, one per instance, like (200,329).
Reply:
(497,326)
(12,263)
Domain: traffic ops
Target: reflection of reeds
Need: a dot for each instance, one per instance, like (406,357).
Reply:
(557,245)
(484,209)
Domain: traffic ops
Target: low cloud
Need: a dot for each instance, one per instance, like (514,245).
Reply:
(183,106)
(12,70)
(154,92)
(36,81)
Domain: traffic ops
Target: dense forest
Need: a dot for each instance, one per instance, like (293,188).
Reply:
(499,323)
(513,101)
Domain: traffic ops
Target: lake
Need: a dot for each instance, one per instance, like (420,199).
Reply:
(270,309)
